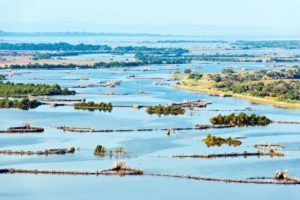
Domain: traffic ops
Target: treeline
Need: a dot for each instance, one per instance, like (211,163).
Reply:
(40,56)
(115,64)
(94,106)
(2,77)
(151,50)
(287,44)
(283,85)
(231,75)
(165,110)
(240,120)
(24,104)
(152,59)
(282,90)
(62,46)
(74,66)
(22,89)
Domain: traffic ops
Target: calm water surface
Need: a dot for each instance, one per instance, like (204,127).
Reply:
(145,147)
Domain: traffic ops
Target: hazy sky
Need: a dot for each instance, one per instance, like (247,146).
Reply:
(152,16)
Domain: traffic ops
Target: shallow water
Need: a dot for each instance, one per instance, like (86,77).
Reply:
(144,147)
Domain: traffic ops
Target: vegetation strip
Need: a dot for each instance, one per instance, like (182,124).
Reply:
(278,87)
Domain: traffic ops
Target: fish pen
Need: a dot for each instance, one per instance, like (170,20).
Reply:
(226,155)
(279,178)
(26,128)
(46,152)
(91,130)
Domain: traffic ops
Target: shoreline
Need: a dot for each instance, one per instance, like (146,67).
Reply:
(204,89)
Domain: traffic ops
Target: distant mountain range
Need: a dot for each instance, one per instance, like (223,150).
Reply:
(70,34)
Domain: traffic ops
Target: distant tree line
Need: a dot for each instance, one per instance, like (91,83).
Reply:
(287,44)
(62,46)
(231,75)
(74,66)
(152,59)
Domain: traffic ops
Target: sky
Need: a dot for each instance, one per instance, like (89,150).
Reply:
(188,17)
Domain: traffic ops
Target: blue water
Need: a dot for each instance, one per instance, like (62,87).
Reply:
(150,151)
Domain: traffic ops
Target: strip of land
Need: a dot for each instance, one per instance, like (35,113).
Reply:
(207,86)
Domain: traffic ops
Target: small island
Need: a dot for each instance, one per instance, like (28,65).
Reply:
(102,151)
(10,89)
(212,141)
(240,120)
(165,110)
(23,104)
(94,106)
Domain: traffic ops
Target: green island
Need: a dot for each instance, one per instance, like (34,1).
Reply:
(165,110)
(280,88)
(102,151)
(93,106)
(240,120)
(23,104)
(212,141)
(9,89)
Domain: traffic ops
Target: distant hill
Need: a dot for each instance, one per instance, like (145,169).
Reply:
(73,34)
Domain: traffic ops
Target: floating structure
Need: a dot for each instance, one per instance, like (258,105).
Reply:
(225,155)
(204,126)
(120,170)
(284,122)
(75,129)
(113,83)
(191,104)
(110,93)
(49,99)
(45,152)
(170,130)
(220,95)
(85,78)
(145,78)
(268,146)
(26,128)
